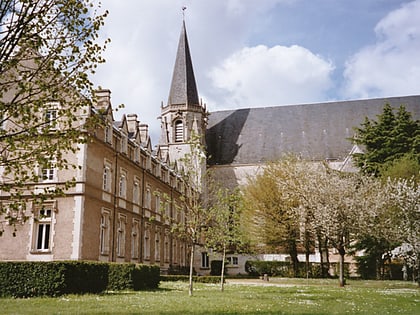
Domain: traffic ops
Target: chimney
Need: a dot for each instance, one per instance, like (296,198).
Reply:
(103,99)
(132,123)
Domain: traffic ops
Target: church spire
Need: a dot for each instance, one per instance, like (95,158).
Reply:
(183,87)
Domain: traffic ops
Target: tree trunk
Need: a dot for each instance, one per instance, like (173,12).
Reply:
(307,252)
(342,253)
(326,258)
(190,287)
(293,256)
(222,273)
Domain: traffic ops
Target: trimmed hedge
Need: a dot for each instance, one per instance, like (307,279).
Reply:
(184,278)
(281,269)
(28,279)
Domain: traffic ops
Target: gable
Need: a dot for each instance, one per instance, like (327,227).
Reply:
(313,131)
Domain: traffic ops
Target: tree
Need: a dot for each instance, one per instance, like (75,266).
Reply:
(47,51)
(405,195)
(271,204)
(387,139)
(224,232)
(191,202)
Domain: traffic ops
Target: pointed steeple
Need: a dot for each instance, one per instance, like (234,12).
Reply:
(183,87)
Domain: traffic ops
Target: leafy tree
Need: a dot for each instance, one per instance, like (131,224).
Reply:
(405,195)
(224,232)
(191,203)
(386,139)
(47,51)
(271,204)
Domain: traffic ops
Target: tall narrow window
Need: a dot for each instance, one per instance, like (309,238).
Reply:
(204,260)
(107,177)
(108,133)
(105,233)
(157,245)
(135,240)
(121,236)
(123,184)
(51,119)
(166,247)
(136,192)
(179,131)
(147,243)
(148,198)
(42,237)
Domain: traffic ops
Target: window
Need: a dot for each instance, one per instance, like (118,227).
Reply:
(48,173)
(124,143)
(121,236)
(148,198)
(108,133)
(107,177)
(136,192)
(147,242)
(157,201)
(122,186)
(135,244)
(105,232)
(179,131)
(43,228)
(157,245)
(232,260)
(136,154)
(51,116)
(204,260)
(166,247)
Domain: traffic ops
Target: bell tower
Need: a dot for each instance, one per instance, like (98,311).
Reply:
(184,115)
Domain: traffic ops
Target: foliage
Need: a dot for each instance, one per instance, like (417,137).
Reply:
(405,195)
(28,279)
(224,232)
(186,278)
(386,139)
(120,277)
(47,51)
(405,167)
(281,269)
(270,207)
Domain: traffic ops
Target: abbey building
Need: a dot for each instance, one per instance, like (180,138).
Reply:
(127,190)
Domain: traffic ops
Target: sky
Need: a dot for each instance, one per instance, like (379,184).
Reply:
(259,53)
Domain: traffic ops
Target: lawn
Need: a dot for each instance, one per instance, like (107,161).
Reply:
(278,296)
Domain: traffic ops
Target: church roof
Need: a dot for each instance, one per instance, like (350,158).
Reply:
(314,131)
(183,86)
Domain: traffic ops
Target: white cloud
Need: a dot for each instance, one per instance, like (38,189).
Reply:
(263,76)
(392,65)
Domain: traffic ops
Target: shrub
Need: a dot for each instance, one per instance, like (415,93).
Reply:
(184,278)
(28,279)
(120,276)
(281,269)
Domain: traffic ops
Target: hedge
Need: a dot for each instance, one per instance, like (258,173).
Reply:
(28,279)
(185,278)
(282,269)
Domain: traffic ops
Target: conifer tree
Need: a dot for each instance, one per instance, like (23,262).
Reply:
(387,139)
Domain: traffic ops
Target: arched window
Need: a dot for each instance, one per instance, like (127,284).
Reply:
(179,131)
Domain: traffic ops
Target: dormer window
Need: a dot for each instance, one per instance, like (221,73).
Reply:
(179,131)
(108,134)
(124,143)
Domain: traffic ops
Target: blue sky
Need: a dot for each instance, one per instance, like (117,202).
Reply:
(254,53)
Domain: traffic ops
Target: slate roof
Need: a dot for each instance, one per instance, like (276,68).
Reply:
(313,131)
(183,86)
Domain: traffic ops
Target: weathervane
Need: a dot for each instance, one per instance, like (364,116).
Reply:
(183,12)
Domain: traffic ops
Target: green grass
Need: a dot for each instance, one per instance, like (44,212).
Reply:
(278,296)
